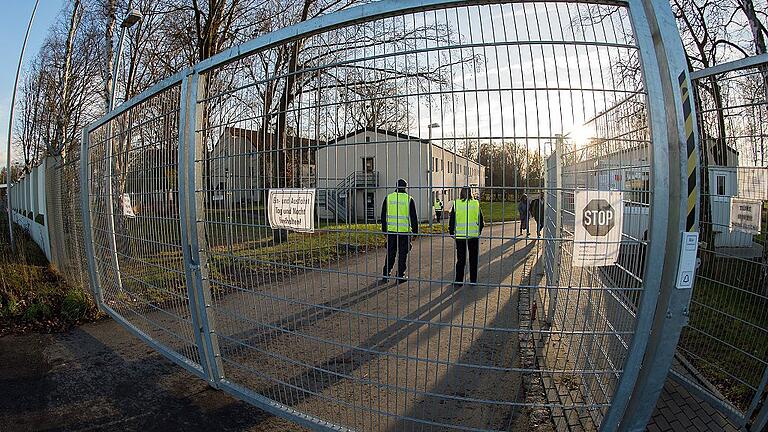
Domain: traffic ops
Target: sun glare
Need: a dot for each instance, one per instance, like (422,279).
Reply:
(580,135)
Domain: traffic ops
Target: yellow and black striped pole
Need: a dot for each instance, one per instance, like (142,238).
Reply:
(693,195)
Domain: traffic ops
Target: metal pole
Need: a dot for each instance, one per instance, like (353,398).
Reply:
(558,232)
(430,173)
(10,130)
(675,168)
(115,68)
(110,156)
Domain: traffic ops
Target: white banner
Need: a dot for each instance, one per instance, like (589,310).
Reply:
(292,209)
(597,237)
(753,183)
(127,207)
(746,215)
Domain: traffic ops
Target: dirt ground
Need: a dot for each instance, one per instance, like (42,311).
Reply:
(100,377)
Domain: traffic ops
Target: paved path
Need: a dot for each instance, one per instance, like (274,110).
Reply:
(679,410)
(337,344)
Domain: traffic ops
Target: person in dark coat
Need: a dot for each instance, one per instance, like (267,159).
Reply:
(522,210)
(398,220)
(536,209)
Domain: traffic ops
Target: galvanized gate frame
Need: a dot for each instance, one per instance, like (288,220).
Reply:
(673,133)
(662,311)
(758,408)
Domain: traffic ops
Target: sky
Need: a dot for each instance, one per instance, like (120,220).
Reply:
(13,24)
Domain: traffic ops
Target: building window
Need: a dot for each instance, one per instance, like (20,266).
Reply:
(450,168)
(442,164)
(720,182)
(367,139)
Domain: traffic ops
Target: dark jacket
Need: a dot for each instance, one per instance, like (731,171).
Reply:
(452,221)
(411,212)
(536,209)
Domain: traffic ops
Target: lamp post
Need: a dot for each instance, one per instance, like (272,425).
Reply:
(130,19)
(431,172)
(10,131)
(133,17)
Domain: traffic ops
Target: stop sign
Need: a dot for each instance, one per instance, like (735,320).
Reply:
(599,217)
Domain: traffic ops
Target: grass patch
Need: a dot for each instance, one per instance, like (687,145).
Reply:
(33,297)
(329,245)
(499,211)
(727,329)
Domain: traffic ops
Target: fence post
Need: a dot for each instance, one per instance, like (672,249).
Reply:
(85,210)
(558,232)
(663,310)
(196,269)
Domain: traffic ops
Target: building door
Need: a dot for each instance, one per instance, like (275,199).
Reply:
(368,164)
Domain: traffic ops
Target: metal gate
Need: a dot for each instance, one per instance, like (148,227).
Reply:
(723,352)
(516,103)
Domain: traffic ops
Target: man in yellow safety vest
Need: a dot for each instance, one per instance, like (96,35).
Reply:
(398,220)
(438,209)
(466,225)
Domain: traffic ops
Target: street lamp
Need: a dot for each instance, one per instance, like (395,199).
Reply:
(10,131)
(130,19)
(133,17)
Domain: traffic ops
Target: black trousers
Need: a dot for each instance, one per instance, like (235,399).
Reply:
(461,258)
(397,244)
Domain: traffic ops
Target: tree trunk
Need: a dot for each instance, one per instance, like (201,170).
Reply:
(62,116)
(109,35)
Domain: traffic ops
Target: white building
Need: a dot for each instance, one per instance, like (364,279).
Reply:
(355,172)
(240,164)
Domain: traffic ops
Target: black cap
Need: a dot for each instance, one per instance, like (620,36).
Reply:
(401,183)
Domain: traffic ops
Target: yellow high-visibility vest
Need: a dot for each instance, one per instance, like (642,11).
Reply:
(398,217)
(467,218)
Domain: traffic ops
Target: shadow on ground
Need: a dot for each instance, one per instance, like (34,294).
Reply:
(99,377)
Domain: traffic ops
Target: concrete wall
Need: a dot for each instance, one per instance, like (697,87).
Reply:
(28,195)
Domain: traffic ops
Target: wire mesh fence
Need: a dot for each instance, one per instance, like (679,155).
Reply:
(589,311)
(133,171)
(65,223)
(724,350)
(524,109)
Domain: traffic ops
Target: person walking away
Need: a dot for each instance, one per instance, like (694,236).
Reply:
(536,209)
(438,209)
(398,220)
(522,210)
(466,225)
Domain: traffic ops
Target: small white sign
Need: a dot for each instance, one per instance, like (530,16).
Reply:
(599,219)
(686,266)
(746,215)
(127,207)
(753,182)
(292,209)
